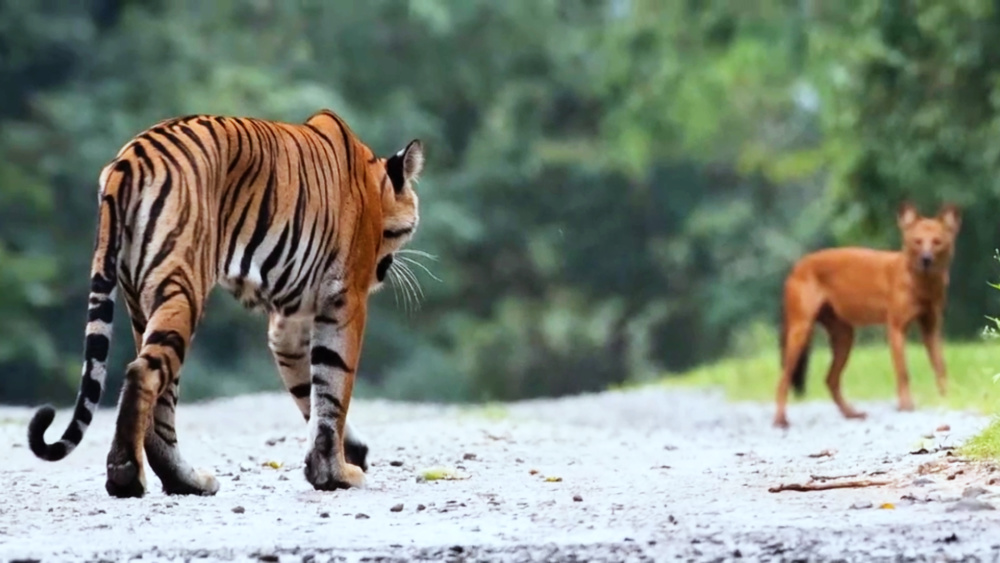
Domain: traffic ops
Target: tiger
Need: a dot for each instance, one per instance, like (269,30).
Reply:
(300,221)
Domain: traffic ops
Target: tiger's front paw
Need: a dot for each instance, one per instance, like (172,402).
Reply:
(323,471)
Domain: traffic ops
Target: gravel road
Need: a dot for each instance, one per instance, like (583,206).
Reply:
(642,475)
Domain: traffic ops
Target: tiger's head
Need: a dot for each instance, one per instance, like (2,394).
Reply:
(400,213)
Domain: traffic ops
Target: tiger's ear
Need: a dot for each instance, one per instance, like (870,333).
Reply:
(406,165)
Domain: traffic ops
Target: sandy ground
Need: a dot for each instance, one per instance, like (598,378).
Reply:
(646,475)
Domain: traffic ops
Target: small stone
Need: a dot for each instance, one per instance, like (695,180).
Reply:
(970,505)
(862,504)
(577,498)
(324,514)
(973,492)
(236,477)
(274,441)
(268,557)
(239,510)
(361,516)
(469,457)
(421,507)
(921,481)
(396,508)
(396,463)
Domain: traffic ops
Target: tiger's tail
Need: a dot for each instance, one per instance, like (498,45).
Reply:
(100,316)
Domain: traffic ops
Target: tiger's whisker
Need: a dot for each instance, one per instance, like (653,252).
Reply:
(421,266)
(413,278)
(416,252)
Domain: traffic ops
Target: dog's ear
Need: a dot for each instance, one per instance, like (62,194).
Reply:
(907,215)
(951,216)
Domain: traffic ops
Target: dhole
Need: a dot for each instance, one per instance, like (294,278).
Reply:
(845,288)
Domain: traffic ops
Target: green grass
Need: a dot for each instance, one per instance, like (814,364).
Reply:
(986,445)
(868,375)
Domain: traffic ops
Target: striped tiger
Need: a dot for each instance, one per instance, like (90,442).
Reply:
(298,220)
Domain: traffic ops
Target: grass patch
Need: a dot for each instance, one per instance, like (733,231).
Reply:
(986,445)
(869,375)
(493,411)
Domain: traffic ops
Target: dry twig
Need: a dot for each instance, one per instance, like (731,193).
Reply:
(814,486)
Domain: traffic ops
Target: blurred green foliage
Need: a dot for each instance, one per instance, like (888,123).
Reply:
(614,187)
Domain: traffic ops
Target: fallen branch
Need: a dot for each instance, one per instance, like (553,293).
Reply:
(832,477)
(813,486)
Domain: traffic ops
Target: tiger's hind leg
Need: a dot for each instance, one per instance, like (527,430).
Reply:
(148,400)
(176,476)
(288,340)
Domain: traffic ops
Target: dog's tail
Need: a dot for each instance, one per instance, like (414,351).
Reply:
(801,363)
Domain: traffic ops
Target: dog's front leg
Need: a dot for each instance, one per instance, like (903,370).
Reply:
(897,342)
(930,329)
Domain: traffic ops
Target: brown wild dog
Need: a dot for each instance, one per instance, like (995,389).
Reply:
(299,220)
(845,288)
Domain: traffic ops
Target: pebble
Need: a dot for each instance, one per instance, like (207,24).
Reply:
(862,504)
(239,509)
(973,492)
(970,505)
(577,498)
(361,516)
(397,508)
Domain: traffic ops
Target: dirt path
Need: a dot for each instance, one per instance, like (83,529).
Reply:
(645,475)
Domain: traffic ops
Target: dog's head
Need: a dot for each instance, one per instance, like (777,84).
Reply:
(929,242)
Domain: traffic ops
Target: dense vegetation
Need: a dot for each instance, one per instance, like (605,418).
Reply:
(614,187)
